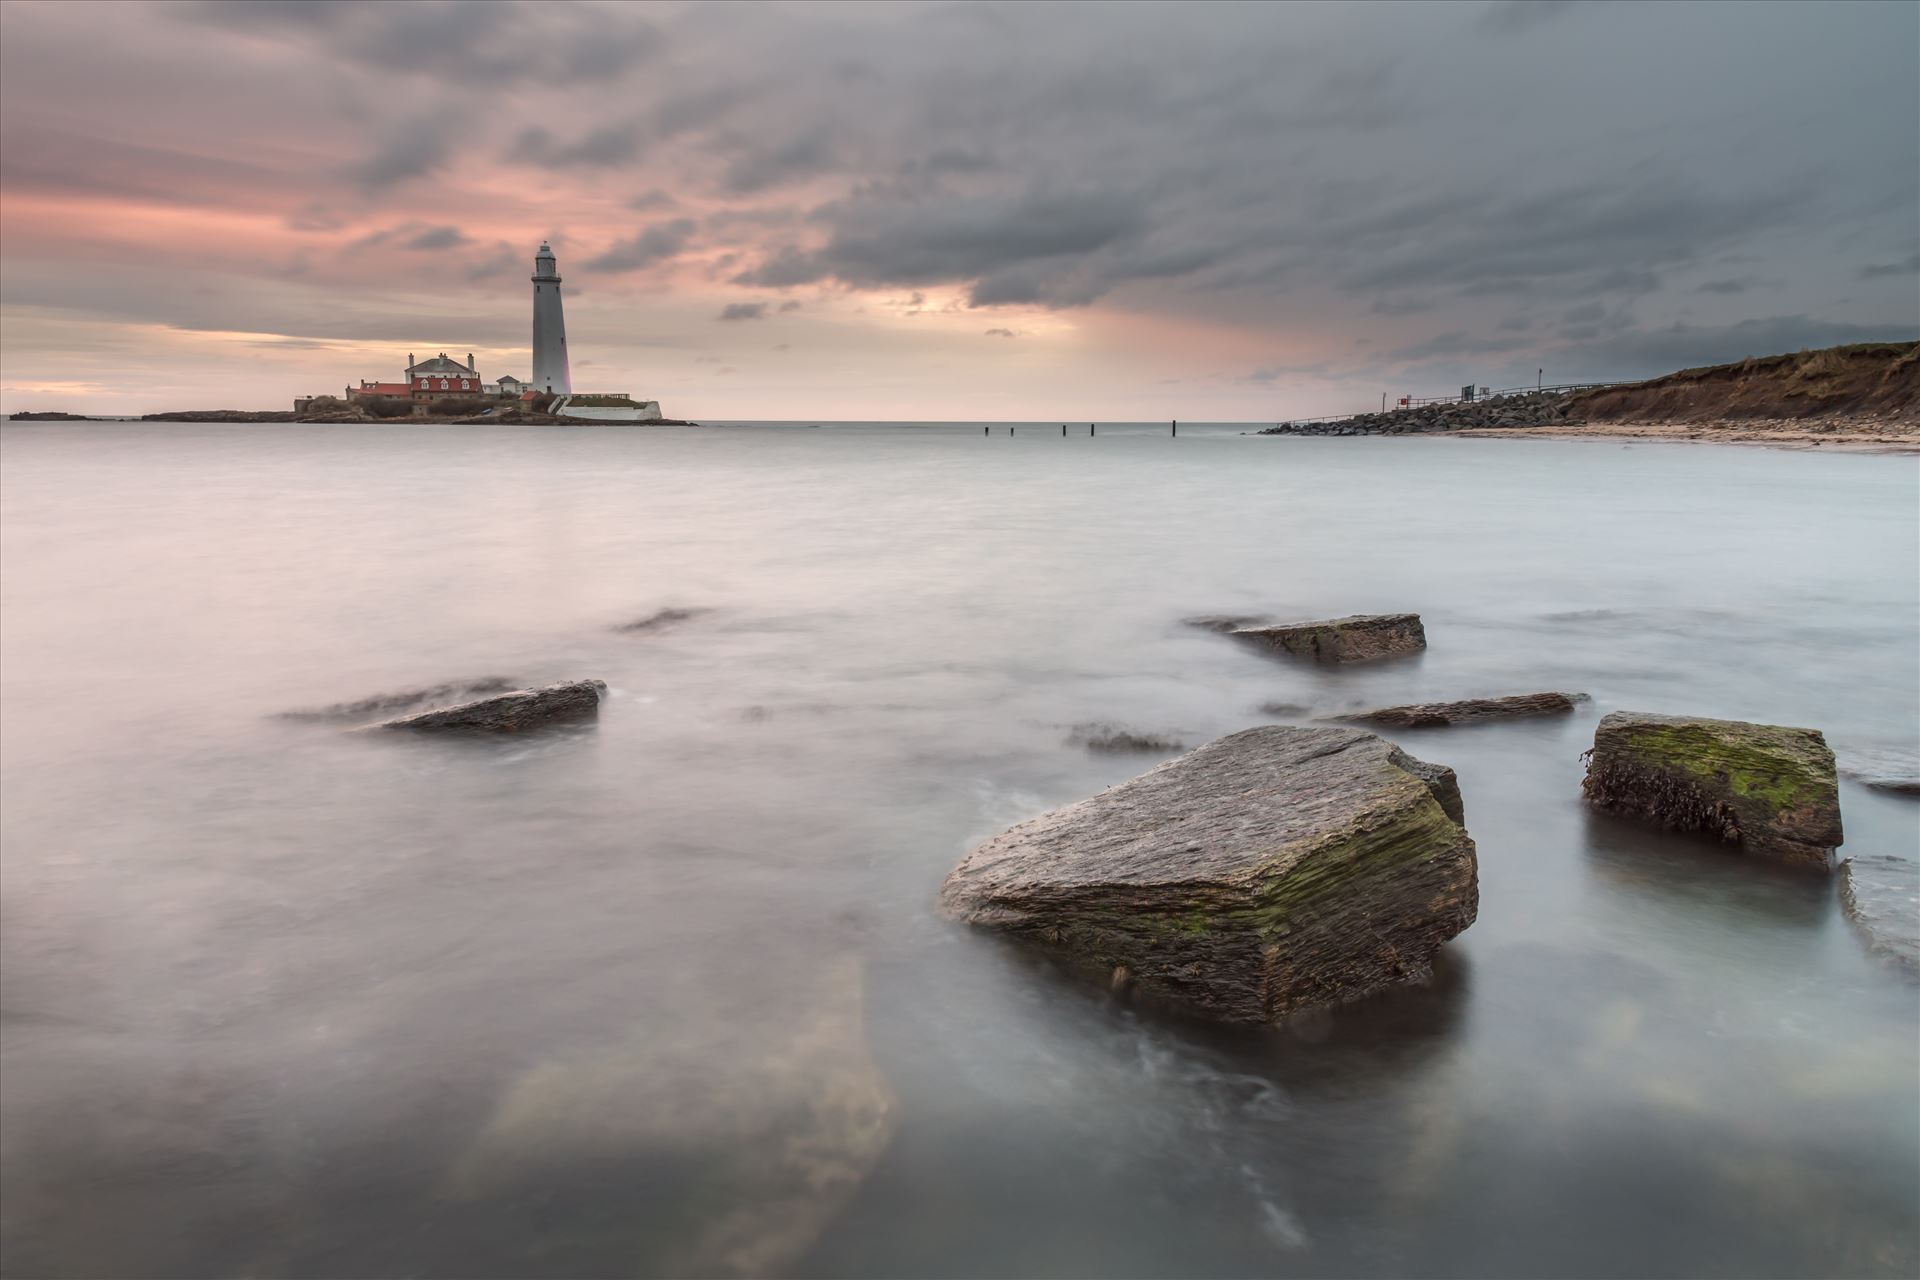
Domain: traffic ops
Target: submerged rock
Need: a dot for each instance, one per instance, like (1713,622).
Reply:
(386,704)
(1225,623)
(1358,638)
(1117,741)
(1890,769)
(515,712)
(660,620)
(1434,714)
(1881,895)
(1768,789)
(738,1138)
(1274,870)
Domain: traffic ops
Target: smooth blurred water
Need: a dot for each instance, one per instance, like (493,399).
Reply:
(670,994)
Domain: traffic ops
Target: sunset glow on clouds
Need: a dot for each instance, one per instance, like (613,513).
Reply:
(828,211)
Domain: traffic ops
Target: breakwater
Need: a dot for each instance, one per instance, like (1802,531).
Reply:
(1538,409)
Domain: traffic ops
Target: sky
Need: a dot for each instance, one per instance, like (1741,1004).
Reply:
(947,211)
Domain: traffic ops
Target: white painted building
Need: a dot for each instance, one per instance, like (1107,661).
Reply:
(550,371)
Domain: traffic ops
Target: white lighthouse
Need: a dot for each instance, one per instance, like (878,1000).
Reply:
(549,328)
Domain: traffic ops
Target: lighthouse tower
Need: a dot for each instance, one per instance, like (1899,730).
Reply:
(549,328)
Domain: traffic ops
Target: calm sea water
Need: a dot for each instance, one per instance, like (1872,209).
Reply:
(669,995)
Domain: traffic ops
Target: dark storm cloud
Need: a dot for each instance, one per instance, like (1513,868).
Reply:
(1454,343)
(446,237)
(743,311)
(1118,173)
(599,147)
(406,149)
(1028,246)
(1514,17)
(503,261)
(1533,236)
(314,216)
(1881,270)
(1645,352)
(1444,182)
(657,243)
(493,43)
(756,168)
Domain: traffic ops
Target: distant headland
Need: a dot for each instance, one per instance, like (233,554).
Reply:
(1864,396)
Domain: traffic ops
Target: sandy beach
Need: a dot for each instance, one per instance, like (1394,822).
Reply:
(1837,436)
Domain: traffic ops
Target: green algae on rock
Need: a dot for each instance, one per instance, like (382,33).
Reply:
(1275,870)
(1767,789)
(1361,637)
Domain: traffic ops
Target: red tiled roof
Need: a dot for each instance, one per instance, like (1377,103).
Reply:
(384,389)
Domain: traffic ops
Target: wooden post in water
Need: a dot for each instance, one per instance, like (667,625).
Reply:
(1090,430)
(1063,431)
(1176,426)
(986,431)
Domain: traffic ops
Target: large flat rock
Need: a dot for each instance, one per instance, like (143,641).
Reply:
(1359,638)
(1424,715)
(514,712)
(1274,870)
(1881,895)
(1765,789)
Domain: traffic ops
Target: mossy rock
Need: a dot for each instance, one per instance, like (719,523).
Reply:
(1765,789)
(1275,870)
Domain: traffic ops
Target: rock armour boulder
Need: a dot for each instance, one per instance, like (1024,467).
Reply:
(1767,789)
(1274,870)
(515,712)
(1359,638)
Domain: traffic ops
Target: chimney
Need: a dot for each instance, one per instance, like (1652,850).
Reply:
(470,366)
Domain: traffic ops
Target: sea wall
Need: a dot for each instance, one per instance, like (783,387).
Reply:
(636,411)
